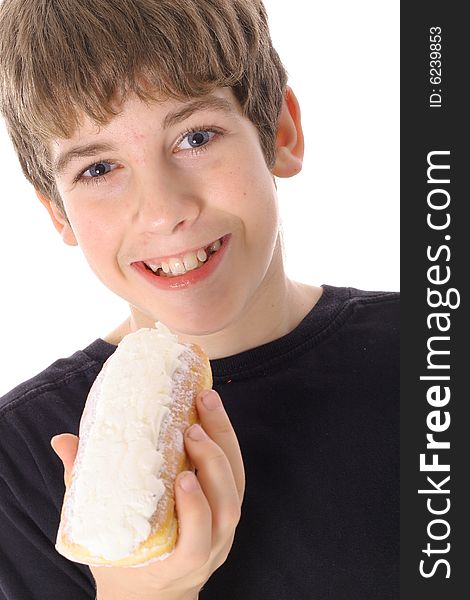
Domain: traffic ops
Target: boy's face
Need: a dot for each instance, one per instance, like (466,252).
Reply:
(143,191)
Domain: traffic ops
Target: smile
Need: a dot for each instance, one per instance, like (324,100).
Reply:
(177,272)
(179,265)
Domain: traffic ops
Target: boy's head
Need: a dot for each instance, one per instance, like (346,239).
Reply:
(152,129)
(62,59)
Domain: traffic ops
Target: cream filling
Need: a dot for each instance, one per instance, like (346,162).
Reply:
(118,486)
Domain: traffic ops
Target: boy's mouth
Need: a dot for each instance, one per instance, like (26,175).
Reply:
(179,265)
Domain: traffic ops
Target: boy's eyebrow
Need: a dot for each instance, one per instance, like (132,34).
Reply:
(208,103)
(83,151)
(172,118)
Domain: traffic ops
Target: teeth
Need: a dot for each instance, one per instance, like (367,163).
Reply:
(190,261)
(201,254)
(176,266)
(215,246)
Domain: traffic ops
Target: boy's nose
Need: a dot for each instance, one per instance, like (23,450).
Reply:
(163,207)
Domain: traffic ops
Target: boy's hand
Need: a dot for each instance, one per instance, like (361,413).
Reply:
(208,512)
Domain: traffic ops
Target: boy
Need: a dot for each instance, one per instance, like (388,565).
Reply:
(152,131)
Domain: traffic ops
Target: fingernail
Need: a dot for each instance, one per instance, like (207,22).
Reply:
(188,482)
(211,400)
(197,433)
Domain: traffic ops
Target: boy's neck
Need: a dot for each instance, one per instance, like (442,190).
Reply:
(292,302)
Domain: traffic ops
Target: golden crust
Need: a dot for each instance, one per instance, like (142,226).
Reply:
(164,532)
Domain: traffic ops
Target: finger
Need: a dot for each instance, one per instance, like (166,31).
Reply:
(217,481)
(65,446)
(216,423)
(195,522)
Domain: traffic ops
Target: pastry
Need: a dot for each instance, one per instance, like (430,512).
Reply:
(119,508)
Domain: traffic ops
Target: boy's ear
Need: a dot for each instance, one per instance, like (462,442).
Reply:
(289,138)
(59,220)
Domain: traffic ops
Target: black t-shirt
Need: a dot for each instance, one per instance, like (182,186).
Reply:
(317,417)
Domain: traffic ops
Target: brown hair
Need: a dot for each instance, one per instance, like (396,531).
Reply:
(62,58)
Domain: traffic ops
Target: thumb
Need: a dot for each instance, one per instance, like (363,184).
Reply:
(65,446)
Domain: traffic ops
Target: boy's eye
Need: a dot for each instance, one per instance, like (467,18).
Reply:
(196,139)
(98,169)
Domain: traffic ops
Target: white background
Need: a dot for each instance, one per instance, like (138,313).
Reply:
(340,215)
